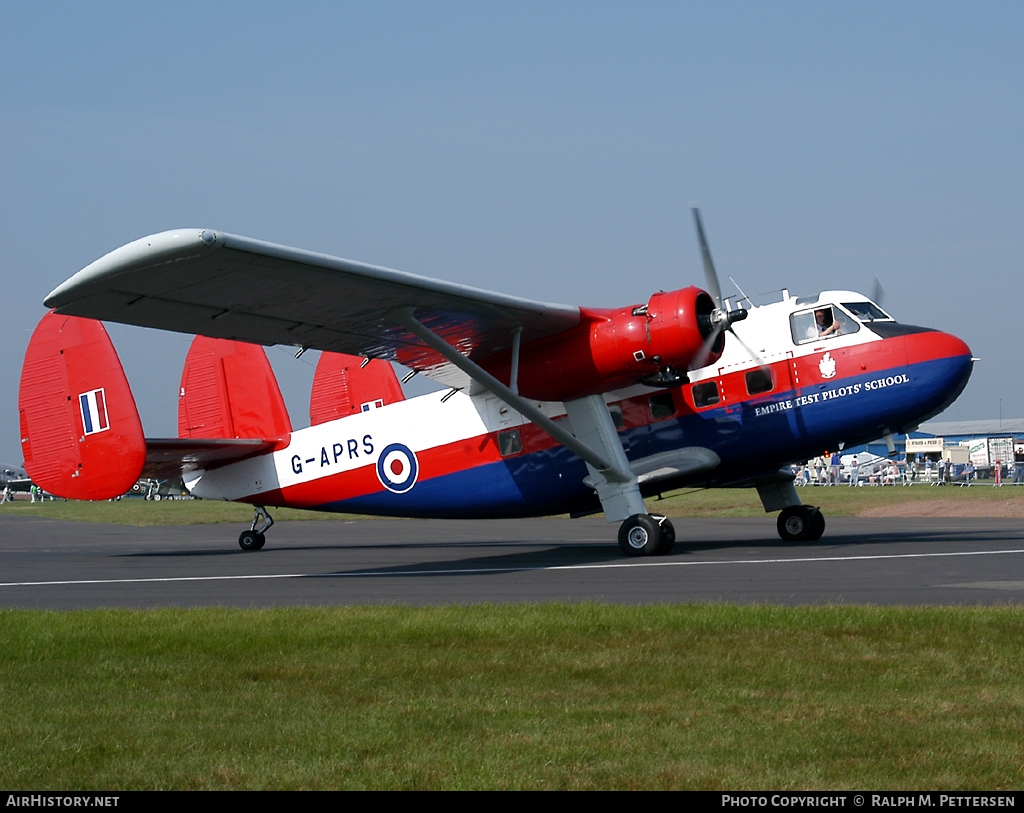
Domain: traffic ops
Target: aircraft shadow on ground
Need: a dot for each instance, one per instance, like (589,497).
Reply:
(531,554)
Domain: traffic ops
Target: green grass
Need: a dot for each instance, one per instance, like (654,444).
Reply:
(841,501)
(140,512)
(838,501)
(700,696)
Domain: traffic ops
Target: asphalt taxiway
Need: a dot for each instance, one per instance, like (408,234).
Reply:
(67,565)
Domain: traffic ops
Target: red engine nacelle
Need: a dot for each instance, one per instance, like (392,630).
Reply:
(611,349)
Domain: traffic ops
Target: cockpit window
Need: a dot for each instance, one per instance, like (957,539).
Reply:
(824,322)
(867,311)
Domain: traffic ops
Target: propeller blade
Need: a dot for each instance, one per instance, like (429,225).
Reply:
(700,358)
(877,293)
(753,356)
(711,278)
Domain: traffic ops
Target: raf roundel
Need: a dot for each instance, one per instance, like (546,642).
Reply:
(397,468)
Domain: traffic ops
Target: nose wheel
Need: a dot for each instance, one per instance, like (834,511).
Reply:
(801,523)
(647,535)
(254,538)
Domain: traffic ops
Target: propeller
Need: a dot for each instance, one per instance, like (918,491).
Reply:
(720,319)
(877,293)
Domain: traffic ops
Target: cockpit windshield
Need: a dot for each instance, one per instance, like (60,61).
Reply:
(867,311)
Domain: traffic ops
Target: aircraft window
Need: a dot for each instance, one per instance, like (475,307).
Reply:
(846,324)
(759,380)
(616,413)
(662,406)
(705,394)
(867,311)
(510,442)
(825,322)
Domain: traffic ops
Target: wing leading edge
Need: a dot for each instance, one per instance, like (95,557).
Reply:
(224,286)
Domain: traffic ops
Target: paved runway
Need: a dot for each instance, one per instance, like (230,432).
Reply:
(65,565)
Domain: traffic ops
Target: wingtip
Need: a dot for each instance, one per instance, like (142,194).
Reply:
(155,248)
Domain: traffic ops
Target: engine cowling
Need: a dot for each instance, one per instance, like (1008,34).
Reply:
(612,349)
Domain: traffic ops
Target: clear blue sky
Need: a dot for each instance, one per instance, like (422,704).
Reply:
(550,150)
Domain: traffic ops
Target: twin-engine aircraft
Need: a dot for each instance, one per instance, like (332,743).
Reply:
(547,408)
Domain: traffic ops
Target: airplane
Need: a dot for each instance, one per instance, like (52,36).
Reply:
(14,478)
(547,408)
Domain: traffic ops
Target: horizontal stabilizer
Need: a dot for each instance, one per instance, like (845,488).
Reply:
(167,458)
(80,430)
(228,390)
(344,385)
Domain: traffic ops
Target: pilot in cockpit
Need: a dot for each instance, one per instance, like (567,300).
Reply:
(825,322)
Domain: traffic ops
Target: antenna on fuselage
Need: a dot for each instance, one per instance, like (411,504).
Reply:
(743,296)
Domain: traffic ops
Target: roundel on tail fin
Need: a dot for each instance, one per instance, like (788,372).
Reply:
(80,430)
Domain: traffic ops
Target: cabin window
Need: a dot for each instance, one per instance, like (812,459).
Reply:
(759,380)
(705,394)
(825,322)
(510,442)
(662,406)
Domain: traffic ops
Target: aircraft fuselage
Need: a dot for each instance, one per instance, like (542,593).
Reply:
(787,396)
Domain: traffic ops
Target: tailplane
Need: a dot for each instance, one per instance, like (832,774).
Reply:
(80,430)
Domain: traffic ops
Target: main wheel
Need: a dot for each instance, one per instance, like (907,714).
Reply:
(251,540)
(818,526)
(642,535)
(801,523)
(668,535)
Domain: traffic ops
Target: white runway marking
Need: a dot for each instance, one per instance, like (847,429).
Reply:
(464,571)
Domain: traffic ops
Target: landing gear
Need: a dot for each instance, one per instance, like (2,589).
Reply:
(647,535)
(254,538)
(801,523)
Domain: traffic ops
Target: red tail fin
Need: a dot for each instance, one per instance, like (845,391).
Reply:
(80,430)
(228,390)
(343,385)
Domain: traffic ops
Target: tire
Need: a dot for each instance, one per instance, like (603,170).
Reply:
(251,540)
(801,523)
(641,535)
(668,535)
(818,525)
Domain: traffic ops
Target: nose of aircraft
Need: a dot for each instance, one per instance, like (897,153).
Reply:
(944,364)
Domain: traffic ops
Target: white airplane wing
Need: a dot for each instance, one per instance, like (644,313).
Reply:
(229,287)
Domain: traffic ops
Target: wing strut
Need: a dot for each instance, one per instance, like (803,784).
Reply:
(617,472)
